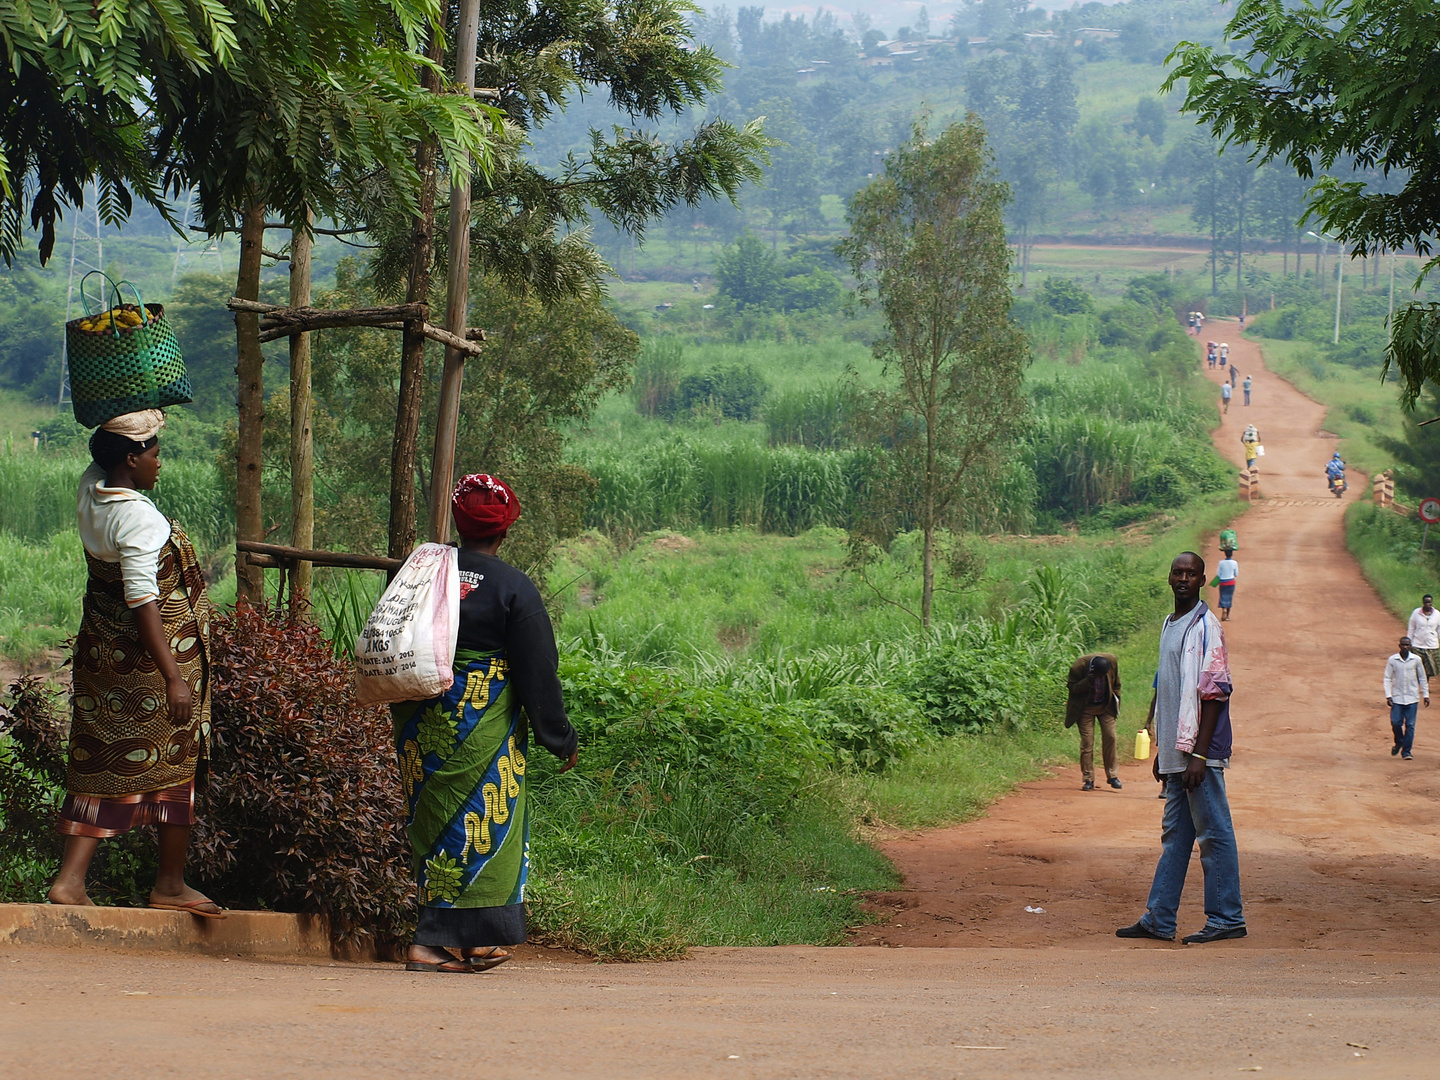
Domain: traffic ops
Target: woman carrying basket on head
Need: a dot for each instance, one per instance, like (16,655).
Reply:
(140,717)
(462,754)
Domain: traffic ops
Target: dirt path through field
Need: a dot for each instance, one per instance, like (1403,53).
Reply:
(1339,978)
(1339,842)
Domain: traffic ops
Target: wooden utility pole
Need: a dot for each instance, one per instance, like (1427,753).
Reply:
(302,445)
(249,369)
(442,470)
(404,453)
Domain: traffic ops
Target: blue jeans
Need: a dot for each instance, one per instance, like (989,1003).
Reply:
(1203,815)
(1402,722)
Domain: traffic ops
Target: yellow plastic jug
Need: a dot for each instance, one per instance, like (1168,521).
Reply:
(1142,745)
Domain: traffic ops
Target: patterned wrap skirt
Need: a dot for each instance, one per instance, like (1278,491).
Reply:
(462,764)
(128,765)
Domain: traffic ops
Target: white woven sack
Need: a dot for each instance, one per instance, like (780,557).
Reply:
(407,650)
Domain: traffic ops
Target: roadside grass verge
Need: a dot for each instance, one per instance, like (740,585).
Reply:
(1388,549)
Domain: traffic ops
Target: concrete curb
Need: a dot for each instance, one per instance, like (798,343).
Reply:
(244,933)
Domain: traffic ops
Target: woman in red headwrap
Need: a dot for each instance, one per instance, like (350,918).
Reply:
(462,754)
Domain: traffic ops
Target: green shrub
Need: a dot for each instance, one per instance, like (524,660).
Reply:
(1126,324)
(733,391)
(1065,296)
(961,688)
(866,728)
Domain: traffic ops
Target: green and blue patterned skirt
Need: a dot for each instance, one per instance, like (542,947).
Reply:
(462,761)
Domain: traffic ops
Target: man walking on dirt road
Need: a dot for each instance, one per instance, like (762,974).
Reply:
(1094,694)
(1424,632)
(1191,707)
(1405,685)
(1225,395)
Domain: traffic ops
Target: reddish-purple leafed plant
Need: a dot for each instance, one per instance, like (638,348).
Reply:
(302,810)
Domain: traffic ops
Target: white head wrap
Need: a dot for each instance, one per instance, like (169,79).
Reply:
(139,426)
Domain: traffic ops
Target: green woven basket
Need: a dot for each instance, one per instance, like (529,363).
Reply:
(126,368)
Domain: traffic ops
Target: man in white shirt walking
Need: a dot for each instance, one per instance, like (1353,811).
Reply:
(1405,686)
(1424,631)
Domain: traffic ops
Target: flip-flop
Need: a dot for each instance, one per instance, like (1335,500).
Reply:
(193,907)
(440,966)
(488,961)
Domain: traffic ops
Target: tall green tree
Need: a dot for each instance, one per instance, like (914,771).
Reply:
(75,100)
(1353,81)
(927,245)
(317,116)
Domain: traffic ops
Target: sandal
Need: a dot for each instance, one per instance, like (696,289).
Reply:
(452,966)
(194,907)
(492,957)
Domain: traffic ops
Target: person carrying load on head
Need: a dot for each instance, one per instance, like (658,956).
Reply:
(1229,542)
(1250,439)
(1224,353)
(140,720)
(463,753)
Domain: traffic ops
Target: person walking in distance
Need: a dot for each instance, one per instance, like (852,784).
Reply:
(1250,439)
(1224,353)
(1191,708)
(1094,694)
(1225,575)
(1234,376)
(1405,686)
(1424,631)
(1247,389)
(1225,395)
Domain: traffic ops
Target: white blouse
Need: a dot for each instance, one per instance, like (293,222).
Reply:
(121,525)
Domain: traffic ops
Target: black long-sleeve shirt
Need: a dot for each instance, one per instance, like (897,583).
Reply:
(500,608)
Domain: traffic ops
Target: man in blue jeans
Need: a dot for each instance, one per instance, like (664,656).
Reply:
(1405,685)
(1192,739)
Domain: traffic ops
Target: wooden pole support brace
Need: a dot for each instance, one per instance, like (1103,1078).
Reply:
(279,322)
(280,555)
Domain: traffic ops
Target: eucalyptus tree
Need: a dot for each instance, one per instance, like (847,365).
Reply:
(927,244)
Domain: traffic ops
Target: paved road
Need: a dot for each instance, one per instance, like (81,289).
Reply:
(1340,977)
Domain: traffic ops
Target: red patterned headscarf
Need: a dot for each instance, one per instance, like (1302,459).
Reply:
(483,507)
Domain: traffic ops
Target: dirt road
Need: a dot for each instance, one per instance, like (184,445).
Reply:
(1339,842)
(1340,860)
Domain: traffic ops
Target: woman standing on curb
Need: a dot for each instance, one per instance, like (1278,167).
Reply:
(141,704)
(462,754)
